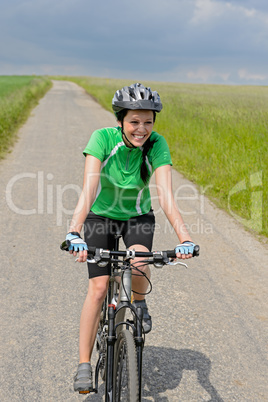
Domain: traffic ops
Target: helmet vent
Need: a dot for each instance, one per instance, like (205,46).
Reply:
(119,95)
(132,93)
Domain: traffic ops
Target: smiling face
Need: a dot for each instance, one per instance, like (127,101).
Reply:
(138,126)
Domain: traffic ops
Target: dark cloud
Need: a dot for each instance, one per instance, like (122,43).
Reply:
(205,40)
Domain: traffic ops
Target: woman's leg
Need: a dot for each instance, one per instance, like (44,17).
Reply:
(139,281)
(97,233)
(138,234)
(139,286)
(90,316)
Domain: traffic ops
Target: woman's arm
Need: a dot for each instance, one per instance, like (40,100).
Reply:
(167,202)
(86,199)
(88,195)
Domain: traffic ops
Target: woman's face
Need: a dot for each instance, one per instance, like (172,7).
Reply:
(138,126)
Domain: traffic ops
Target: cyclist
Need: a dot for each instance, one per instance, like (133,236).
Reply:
(115,197)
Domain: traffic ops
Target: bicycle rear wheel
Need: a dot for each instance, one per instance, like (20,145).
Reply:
(126,373)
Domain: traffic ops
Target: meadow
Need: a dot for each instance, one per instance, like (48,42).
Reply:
(217,135)
(218,138)
(18,95)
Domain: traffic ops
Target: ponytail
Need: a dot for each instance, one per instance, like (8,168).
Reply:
(145,175)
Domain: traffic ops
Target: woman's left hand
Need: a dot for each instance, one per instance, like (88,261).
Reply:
(185,250)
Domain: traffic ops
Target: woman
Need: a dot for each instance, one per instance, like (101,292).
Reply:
(115,197)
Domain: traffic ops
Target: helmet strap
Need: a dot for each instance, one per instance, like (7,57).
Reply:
(125,137)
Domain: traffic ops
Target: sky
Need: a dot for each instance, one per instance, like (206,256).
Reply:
(195,41)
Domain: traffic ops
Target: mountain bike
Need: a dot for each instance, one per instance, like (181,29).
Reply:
(120,337)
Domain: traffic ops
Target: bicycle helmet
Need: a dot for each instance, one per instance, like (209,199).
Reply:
(135,97)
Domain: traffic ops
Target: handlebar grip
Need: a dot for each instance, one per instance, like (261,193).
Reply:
(172,254)
(196,251)
(65,245)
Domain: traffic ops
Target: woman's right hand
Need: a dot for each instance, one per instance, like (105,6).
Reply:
(77,244)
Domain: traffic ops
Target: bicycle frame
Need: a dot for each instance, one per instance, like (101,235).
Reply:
(116,321)
(115,311)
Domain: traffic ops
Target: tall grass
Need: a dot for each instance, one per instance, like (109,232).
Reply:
(218,137)
(18,95)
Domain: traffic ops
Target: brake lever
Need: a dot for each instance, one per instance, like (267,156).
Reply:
(176,262)
(92,261)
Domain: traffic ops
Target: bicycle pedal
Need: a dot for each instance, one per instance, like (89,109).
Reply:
(93,390)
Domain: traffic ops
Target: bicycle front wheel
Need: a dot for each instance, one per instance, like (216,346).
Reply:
(126,371)
(101,341)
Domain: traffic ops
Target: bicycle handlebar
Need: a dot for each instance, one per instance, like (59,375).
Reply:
(129,253)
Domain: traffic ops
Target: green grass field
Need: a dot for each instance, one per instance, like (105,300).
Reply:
(218,135)
(18,95)
(218,138)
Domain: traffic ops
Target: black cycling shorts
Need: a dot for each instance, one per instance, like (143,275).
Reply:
(99,232)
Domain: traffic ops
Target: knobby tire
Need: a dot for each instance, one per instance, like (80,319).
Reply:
(102,342)
(126,372)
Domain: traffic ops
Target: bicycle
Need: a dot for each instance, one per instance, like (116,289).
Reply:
(120,340)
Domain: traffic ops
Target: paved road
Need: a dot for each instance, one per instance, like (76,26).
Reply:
(209,341)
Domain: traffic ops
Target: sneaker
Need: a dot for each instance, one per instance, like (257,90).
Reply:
(83,378)
(147,319)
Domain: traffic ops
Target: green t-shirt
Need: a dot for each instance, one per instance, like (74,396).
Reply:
(121,193)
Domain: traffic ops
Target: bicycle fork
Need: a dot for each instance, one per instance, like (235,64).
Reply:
(139,345)
(110,354)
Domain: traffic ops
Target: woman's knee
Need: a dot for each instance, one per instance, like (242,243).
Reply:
(142,269)
(98,287)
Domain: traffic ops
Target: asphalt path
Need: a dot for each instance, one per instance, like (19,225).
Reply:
(209,337)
